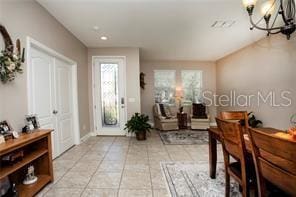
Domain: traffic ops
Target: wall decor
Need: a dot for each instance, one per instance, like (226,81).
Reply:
(10,60)
(142,80)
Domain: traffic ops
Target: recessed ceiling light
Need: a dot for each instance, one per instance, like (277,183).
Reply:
(104,38)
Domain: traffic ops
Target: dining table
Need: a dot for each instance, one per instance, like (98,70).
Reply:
(214,137)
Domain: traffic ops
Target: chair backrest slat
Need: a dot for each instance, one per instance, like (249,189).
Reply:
(232,138)
(236,115)
(275,159)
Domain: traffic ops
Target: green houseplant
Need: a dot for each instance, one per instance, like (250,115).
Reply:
(253,122)
(139,125)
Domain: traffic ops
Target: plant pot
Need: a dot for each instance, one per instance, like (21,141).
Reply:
(141,135)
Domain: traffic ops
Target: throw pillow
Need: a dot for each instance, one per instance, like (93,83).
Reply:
(199,111)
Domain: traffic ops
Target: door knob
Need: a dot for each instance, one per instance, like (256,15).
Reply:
(55,112)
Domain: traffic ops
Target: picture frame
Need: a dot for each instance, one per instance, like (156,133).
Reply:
(5,127)
(32,122)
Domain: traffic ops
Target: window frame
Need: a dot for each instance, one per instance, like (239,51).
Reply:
(182,83)
(173,86)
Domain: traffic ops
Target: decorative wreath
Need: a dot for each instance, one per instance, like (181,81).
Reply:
(10,60)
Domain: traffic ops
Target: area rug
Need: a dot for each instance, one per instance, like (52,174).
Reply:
(192,180)
(184,137)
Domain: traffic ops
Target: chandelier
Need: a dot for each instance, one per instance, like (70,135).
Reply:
(272,10)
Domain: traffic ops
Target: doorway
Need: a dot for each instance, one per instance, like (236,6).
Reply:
(109,95)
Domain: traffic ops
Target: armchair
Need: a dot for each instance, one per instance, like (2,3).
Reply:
(164,123)
(200,120)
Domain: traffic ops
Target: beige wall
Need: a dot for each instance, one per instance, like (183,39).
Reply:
(28,18)
(132,76)
(268,65)
(148,67)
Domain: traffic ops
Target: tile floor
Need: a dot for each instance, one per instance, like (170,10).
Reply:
(119,166)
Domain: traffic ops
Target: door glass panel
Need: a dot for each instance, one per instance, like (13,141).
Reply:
(109,95)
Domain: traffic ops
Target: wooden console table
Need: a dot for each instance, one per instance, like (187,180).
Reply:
(37,151)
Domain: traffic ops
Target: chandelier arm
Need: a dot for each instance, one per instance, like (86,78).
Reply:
(275,18)
(261,28)
(282,12)
(293,10)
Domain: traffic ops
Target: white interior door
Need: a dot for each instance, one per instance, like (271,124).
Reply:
(51,98)
(109,75)
(64,100)
(42,96)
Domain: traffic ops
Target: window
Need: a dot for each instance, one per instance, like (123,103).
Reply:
(192,86)
(164,86)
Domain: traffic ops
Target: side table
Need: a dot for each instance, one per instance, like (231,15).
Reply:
(182,120)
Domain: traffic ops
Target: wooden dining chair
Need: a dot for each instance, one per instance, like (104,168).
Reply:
(241,116)
(275,161)
(234,145)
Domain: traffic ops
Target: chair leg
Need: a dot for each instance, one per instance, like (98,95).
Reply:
(246,191)
(227,184)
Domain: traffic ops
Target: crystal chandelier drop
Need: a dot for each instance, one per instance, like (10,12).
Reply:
(272,10)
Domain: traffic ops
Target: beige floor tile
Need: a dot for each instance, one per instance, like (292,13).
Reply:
(61,192)
(85,166)
(111,166)
(105,180)
(134,193)
(160,193)
(74,180)
(115,156)
(63,165)
(136,168)
(135,180)
(92,156)
(174,148)
(58,174)
(136,161)
(177,156)
(157,179)
(100,193)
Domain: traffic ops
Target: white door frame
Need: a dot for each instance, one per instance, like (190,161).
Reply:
(93,72)
(31,43)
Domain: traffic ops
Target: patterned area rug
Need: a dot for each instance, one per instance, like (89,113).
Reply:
(184,137)
(192,179)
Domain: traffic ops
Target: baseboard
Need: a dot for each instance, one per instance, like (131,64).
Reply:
(88,135)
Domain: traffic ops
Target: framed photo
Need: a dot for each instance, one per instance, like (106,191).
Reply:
(5,127)
(32,122)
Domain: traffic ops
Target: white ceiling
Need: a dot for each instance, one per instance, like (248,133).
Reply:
(162,29)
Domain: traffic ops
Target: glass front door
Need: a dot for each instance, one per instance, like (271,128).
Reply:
(109,95)
(110,99)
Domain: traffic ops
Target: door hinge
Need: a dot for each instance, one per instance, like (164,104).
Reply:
(95,107)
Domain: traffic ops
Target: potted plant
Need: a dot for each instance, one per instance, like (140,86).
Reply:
(139,125)
(253,122)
